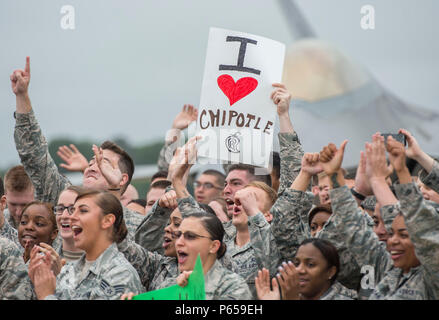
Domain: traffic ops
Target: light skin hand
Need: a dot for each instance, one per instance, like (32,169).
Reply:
(20,80)
(331,158)
(127,296)
(112,175)
(169,200)
(188,114)
(282,99)
(310,166)
(73,158)
(415,152)
(247,198)
(397,155)
(376,163)
(182,279)
(262,283)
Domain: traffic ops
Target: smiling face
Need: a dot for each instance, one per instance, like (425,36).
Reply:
(93,177)
(197,241)
(169,240)
(67,198)
(313,271)
(90,226)
(400,246)
(36,226)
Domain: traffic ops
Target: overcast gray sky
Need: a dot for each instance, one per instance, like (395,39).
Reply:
(129,66)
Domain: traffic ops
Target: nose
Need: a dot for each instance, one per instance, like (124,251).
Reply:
(227,190)
(300,268)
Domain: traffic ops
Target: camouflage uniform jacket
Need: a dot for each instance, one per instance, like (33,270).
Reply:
(150,232)
(221,284)
(260,252)
(290,227)
(9,219)
(431,180)
(33,150)
(338,292)
(422,221)
(108,278)
(152,267)
(291,154)
(14,281)
(9,232)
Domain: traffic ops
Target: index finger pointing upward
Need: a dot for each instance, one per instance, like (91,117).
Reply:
(27,67)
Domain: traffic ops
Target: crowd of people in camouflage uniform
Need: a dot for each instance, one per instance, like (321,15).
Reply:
(307,230)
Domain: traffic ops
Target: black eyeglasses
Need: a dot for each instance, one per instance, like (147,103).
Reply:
(60,209)
(188,235)
(206,185)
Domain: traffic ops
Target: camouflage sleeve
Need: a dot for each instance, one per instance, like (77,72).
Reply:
(34,154)
(388,214)
(431,179)
(422,223)
(188,205)
(14,281)
(291,154)
(8,232)
(264,245)
(144,261)
(233,287)
(150,232)
(287,226)
(165,156)
(357,235)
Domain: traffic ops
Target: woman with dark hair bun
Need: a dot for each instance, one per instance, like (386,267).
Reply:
(311,276)
(102,272)
(202,233)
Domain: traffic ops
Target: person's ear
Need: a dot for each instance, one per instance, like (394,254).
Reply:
(54,234)
(2,203)
(214,247)
(108,220)
(124,180)
(331,272)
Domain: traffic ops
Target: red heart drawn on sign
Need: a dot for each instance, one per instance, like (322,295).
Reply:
(236,91)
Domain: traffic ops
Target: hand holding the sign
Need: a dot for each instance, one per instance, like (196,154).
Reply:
(127,296)
(183,277)
(185,117)
(282,98)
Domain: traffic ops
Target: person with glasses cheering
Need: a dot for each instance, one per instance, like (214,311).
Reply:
(209,186)
(64,244)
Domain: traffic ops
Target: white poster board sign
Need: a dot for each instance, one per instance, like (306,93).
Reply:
(236,115)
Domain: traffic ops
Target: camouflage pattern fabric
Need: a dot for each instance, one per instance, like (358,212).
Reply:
(110,276)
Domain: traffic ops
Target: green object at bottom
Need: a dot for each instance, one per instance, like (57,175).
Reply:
(194,290)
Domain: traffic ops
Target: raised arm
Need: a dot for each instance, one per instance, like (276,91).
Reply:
(288,226)
(291,151)
(173,136)
(31,144)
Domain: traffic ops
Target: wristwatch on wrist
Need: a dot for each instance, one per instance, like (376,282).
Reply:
(357,195)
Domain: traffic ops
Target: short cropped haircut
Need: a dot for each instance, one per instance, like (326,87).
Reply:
(160,174)
(220,177)
(271,193)
(161,184)
(126,163)
(266,178)
(141,202)
(17,180)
